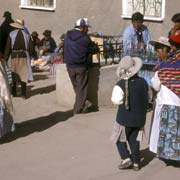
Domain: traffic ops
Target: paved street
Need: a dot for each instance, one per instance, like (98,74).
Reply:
(51,144)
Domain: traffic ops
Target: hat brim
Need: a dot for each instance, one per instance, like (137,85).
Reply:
(16,25)
(133,69)
(159,42)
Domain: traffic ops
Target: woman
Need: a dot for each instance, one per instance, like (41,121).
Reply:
(6,107)
(165,134)
(162,49)
(19,49)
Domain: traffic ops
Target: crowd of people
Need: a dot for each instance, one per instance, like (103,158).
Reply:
(130,93)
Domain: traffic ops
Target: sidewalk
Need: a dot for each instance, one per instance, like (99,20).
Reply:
(51,144)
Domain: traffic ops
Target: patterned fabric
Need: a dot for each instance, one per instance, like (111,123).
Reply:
(169,138)
(169,73)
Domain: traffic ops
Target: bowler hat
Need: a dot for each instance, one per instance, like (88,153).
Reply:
(47,32)
(6,14)
(34,33)
(176,18)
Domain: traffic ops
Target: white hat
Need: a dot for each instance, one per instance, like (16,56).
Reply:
(82,22)
(19,23)
(161,40)
(128,67)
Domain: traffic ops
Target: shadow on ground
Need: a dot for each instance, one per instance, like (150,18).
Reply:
(173,163)
(36,125)
(43,90)
(147,156)
(38,76)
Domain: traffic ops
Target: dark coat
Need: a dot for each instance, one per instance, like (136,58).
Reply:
(135,116)
(5,29)
(77,48)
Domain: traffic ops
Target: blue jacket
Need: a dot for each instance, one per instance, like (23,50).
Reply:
(78,48)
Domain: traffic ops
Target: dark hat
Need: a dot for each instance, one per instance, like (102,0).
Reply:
(6,14)
(137,16)
(47,33)
(176,18)
(34,33)
(62,37)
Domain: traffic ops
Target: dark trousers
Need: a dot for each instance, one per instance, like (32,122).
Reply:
(79,79)
(131,135)
(23,88)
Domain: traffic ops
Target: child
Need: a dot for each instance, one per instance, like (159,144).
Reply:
(131,94)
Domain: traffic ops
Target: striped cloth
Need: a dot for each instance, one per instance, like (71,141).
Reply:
(169,73)
(171,79)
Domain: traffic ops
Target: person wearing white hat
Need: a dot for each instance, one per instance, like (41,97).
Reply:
(131,95)
(78,50)
(162,49)
(165,131)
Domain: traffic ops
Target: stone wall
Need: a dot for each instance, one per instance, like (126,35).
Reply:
(101,83)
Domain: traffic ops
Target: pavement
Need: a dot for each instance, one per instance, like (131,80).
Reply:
(51,144)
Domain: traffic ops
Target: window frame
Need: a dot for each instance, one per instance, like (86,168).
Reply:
(150,18)
(23,6)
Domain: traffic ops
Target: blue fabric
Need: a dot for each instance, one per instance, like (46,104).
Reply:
(130,39)
(169,136)
(77,48)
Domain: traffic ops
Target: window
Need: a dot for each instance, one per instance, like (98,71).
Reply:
(39,4)
(152,9)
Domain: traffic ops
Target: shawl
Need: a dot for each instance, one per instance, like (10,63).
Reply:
(5,96)
(169,73)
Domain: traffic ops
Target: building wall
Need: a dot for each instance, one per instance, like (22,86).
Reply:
(104,15)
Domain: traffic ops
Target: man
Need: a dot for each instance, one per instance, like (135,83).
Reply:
(5,29)
(47,43)
(78,49)
(18,50)
(136,36)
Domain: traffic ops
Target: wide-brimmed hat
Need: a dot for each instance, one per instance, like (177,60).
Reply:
(162,40)
(82,22)
(6,14)
(47,32)
(128,67)
(19,23)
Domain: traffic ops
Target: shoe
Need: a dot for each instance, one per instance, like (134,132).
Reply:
(87,106)
(136,167)
(125,164)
